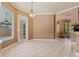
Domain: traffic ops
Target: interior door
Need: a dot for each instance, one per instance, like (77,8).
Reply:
(22,27)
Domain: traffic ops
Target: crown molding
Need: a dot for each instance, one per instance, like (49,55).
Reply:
(45,14)
(48,13)
(67,9)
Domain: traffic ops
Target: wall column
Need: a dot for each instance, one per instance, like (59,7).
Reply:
(54,25)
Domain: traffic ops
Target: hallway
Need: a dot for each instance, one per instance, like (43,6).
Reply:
(41,48)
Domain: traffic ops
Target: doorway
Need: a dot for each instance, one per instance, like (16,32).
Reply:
(64,28)
(22,28)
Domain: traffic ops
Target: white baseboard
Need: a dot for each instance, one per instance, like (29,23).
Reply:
(45,39)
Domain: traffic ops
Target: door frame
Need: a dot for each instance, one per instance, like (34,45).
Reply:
(19,27)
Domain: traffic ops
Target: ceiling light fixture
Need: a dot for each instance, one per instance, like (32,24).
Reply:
(32,11)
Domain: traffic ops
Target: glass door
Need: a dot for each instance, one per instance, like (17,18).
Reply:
(22,28)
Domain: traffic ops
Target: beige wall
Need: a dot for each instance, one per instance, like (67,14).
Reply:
(43,27)
(16,13)
(71,15)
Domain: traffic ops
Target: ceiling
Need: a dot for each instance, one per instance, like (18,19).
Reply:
(45,7)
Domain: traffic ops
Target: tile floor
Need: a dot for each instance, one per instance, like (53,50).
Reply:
(41,48)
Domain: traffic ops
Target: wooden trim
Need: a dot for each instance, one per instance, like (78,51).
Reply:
(54,25)
(78,14)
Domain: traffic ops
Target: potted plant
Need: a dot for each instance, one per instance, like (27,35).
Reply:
(76,27)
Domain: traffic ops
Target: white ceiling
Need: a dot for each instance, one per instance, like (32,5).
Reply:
(45,7)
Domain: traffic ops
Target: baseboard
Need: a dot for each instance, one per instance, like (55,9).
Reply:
(9,46)
(45,39)
(13,45)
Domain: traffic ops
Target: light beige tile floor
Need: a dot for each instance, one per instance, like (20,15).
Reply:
(41,48)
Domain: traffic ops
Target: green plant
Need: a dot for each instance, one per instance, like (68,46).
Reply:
(76,27)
